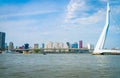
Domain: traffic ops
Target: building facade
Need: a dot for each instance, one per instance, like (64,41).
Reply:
(43,45)
(56,45)
(2,40)
(11,46)
(61,45)
(80,44)
(75,45)
(49,44)
(36,46)
(68,44)
(26,46)
(90,46)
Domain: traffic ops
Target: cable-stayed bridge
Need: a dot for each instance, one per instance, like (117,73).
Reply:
(101,42)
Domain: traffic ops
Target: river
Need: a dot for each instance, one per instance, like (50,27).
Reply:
(59,66)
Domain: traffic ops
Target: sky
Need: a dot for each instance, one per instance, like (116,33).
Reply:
(40,21)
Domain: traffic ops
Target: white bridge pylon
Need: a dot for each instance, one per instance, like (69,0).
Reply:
(100,44)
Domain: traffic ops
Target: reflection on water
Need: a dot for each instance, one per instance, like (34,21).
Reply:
(59,66)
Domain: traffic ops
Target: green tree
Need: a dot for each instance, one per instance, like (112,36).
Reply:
(36,50)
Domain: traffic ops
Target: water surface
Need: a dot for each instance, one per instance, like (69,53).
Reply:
(59,66)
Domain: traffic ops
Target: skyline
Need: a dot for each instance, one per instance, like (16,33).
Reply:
(38,21)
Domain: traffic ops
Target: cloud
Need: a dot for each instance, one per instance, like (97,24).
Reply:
(93,19)
(85,20)
(29,31)
(27,9)
(89,21)
(22,31)
(104,0)
(25,14)
(73,7)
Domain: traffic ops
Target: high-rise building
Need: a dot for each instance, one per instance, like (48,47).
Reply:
(61,45)
(90,46)
(36,46)
(56,45)
(6,46)
(2,40)
(75,45)
(49,44)
(26,46)
(80,44)
(11,46)
(68,44)
(43,45)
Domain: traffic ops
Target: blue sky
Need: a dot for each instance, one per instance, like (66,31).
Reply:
(39,21)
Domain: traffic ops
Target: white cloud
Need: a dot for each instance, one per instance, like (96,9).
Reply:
(104,0)
(84,26)
(73,7)
(25,14)
(93,19)
(27,31)
(97,19)
(26,9)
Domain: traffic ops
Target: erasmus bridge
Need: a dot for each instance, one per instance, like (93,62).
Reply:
(101,41)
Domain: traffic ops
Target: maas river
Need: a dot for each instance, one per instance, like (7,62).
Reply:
(59,66)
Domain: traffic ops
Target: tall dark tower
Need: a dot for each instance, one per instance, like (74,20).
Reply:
(2,40)
(80,44)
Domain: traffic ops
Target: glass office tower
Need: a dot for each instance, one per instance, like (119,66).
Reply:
(2,40)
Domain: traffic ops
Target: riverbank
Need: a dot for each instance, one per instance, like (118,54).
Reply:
(107,53)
